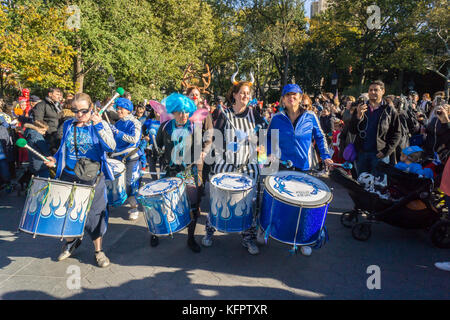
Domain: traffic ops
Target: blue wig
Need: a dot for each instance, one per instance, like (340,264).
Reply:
(124,103)
(179,102)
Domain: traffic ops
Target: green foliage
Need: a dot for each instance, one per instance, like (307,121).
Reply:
(32,49)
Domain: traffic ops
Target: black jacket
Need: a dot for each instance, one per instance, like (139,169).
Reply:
(438,137)
(48,112)
(388,132)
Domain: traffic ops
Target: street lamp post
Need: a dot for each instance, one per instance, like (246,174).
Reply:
(111,82)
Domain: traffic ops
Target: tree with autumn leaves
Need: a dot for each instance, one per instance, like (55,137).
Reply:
(33,49)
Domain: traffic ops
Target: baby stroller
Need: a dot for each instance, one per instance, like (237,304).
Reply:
(411,205)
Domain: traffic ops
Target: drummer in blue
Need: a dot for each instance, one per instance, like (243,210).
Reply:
(86,137)
(297,128)
(127,134)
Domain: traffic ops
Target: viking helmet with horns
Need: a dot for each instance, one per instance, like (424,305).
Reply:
(233,77)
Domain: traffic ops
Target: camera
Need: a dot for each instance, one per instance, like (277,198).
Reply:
(358,102)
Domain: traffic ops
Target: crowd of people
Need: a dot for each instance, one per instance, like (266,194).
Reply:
(315,133)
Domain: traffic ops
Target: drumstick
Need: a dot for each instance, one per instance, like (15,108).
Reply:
(120,91)
(153,172)
(22,143)
(346,165)
(288,164)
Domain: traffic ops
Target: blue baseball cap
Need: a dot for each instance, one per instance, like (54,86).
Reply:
(291,88)
(411,149)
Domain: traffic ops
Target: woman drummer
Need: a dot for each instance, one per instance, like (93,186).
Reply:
(297,127)
(176,135)
(86,136)
(127,133)
(238,120)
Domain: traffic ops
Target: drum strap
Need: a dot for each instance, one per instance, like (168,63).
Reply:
(132,153)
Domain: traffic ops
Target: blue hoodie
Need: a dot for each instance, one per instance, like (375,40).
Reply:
(296,144)
(127,133)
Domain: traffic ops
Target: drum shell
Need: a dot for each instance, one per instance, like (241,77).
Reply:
(166,213)
(47,212)
(117,193)
(231,211)
(291,224)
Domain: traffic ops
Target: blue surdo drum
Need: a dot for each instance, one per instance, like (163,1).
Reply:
(56,208)
(294,207)
(117,192)
(166,206)
(231,202)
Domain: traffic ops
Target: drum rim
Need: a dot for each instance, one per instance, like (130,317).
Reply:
(158,194)
(52,235)
(294,243)
(314,204)
(54,181)
(233,190)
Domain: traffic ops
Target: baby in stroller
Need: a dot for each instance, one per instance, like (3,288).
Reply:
(401,199)
(409,162)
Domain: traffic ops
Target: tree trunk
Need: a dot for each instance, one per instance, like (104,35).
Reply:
(447,88)
(286,66)
(78,69)
(1,83)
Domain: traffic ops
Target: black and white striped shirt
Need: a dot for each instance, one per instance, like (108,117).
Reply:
(246,156)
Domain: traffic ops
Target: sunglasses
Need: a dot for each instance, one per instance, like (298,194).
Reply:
(83,111)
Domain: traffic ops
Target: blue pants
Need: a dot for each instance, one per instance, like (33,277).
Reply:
(367,162)
(133,176)
(5,175)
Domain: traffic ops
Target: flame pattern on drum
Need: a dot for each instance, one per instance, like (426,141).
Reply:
(53,200)
(165,203)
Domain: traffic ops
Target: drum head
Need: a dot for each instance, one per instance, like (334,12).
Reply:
(299,189)
(232,181)
(161,186)
(117,166)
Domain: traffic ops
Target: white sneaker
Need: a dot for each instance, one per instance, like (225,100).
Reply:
(443,265)
(133,214)
(306,251)
(207,240)
(251,246)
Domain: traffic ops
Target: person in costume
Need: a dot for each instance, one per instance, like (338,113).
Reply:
(86,136)
(174,134)
(238,121)
(297,127)
(127,133)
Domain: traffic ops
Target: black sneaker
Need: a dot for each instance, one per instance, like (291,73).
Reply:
(193,245)
(69,248)
(154,241)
